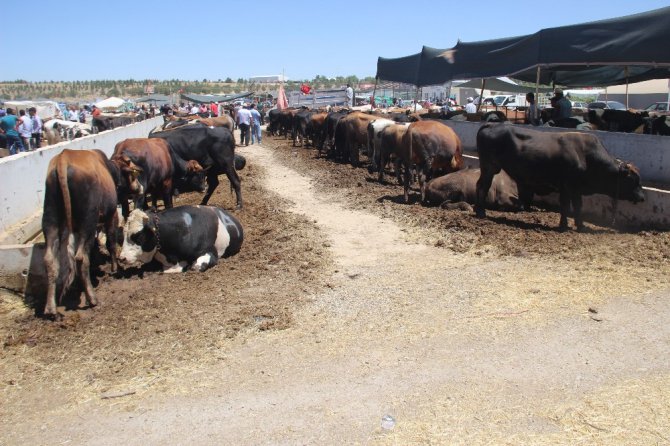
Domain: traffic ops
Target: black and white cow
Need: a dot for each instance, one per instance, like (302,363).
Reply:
(180,237)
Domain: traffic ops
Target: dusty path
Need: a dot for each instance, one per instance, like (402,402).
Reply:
(459,348)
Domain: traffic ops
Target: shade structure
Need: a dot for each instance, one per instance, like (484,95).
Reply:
(112,103)
(606,52)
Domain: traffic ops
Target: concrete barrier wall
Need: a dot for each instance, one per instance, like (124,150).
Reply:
(650,153)
(22,175)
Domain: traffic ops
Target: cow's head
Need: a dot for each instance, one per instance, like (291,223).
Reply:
(129,173)
(628,186)
(194,179)
(140,239)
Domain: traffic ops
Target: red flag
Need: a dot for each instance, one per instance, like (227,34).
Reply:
(282,102)
(305,88)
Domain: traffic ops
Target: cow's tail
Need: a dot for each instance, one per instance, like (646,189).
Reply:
(61,171)
(457,159)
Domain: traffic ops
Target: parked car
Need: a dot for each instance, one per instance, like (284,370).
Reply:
(657,108)
(613,105)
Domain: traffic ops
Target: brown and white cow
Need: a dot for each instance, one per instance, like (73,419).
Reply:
(433,148)
(80,194)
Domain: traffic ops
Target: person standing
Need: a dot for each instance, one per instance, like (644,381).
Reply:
(36,127)
(470,107)
(25,129)
(8,125)
(533,116)
(255,124)
(563,105)
(74,114)
(243,122)
(350,95)
(96,112)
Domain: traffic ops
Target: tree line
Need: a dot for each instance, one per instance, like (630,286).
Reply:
(63,90)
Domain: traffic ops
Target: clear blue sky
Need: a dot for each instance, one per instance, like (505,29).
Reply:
(211,39)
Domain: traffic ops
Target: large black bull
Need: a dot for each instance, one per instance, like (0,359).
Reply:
(212,147)
(570,163)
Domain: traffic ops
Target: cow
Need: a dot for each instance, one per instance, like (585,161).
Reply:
(212,147)
(617,120)
(220,121)
(351,133)
(316,127)
(461,186)
(80,194)
(374,134)
(570,163)
(180,237)
(103,122)
(328,136)
(161,171)
(273,122)
(658,125)
(299,126)
(390,143)
(435,150)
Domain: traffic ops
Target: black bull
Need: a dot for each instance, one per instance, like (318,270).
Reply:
(212,147)
(570,163)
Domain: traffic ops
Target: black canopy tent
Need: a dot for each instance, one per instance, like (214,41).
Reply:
(601,53)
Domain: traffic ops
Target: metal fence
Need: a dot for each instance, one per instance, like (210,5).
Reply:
(318,98)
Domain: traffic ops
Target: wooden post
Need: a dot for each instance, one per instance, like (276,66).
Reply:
(481,95)
(626,73)
(374,91)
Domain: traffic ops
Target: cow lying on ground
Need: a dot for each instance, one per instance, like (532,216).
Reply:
(180,237)
(161,171)
(80,193)
(461,186)
(570,163)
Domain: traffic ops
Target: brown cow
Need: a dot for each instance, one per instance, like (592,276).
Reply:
(352,133)
(461,186)
(390,141)
(80,193)
(160,169)
(220,121)
(435,150)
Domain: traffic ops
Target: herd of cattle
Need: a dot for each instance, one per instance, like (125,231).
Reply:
(84,187)
(516,162)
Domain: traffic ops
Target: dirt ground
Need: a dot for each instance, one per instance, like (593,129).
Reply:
(346,305)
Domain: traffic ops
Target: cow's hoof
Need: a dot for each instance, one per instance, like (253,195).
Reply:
(54,317)
(238,207)
(480,213)
(563,228)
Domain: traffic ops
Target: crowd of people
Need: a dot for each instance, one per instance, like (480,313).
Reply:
(23,133)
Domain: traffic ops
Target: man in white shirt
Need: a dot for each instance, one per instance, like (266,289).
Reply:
(25,129)
(350,96)
(243,122)
(194,110)
(470,107)
(36,127)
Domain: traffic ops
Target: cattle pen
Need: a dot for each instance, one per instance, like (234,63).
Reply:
(346,305)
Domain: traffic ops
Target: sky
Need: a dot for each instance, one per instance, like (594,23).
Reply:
(210,39)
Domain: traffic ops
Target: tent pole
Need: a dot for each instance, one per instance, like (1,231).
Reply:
(537,92)
(374,90)
(481,95)
(626,72)
(416,98)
